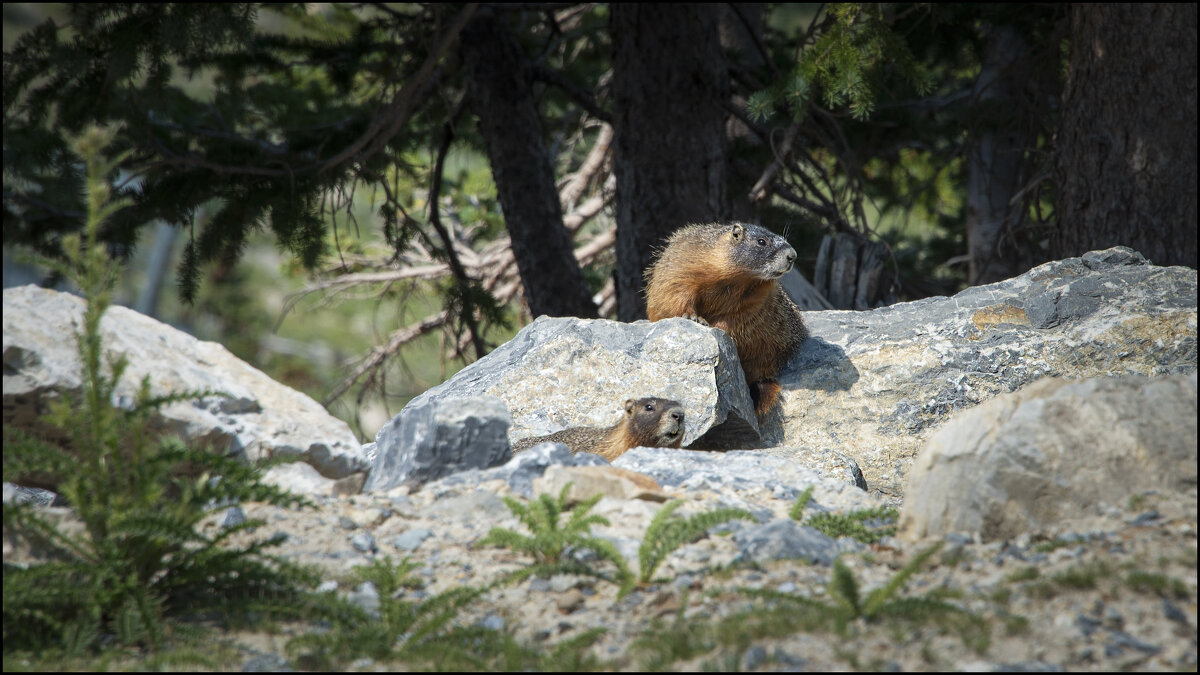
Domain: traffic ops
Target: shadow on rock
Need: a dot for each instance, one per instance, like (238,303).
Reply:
(819,364)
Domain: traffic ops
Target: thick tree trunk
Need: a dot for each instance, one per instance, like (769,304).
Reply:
(669,83)
(1125,162)
(502,98)
(996,164)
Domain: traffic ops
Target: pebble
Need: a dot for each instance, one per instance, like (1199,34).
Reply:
(363,542)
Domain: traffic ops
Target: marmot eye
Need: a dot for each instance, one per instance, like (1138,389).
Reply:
(762,242)
(650,407)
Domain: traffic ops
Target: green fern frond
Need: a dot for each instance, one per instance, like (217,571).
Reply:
(668,532)
(797,510)
(878,597)
(844,588)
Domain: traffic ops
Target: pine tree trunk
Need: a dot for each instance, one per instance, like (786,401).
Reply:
(1126,149)
(669,83)
(995,160)
(501,95)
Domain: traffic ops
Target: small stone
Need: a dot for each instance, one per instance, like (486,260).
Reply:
(410,540)
(366,596)
(492,621)
(363,542)
(754,657)
(1172,612)
(561,583)
(234,516)
(1146,518)
(570,601)
(347,523)
(266,663)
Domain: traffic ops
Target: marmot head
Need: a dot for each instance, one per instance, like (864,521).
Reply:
(657,422)
(756,248)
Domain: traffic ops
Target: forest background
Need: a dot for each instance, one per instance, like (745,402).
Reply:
(285,161)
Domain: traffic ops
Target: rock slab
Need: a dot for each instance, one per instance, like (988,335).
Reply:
(1052,454)
(440,437)
(876,384)
(258,419)
(566,372)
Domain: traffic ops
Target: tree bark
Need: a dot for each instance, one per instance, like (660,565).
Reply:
(669,82)
(500,92)
(1125,163)
(996,159)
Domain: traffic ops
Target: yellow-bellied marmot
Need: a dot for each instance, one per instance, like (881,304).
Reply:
(726,276)
(649,422)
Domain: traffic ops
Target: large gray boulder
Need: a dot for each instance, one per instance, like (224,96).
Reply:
(876,384)
(566,372)
(1052,455)
(260,418)
(439,437)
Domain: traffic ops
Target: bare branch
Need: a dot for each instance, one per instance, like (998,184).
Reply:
(379,355)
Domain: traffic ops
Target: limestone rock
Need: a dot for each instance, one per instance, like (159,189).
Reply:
(520,471)
(566,372)
(300,478)
(438,437)
(742,471)
(588,481)
(259,419)
(875,384)
(1051,454)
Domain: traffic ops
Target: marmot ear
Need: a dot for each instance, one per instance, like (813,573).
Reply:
(738,231)
(629,406)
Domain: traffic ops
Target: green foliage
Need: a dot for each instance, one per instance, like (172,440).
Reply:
(139,565)
(778,614)
(429,633)
(250,127)
(1158,584)
(668,532)
(550,540)
(865,525)
(848,63)
(797,510)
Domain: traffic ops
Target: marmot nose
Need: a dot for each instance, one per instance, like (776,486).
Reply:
(677,415)
(790,255)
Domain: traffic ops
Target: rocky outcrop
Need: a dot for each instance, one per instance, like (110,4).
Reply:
(258,419)
(867,388)
(559,373)
(1068,479)
(1053,455)
(876,384)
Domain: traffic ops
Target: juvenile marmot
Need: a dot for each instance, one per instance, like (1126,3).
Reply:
(726,276)
(649,422)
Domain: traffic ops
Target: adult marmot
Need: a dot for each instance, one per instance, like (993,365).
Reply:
(649,422)
(726,276)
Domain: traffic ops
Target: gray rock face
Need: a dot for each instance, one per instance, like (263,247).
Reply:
(740,471)
(559,373)
(786,540)
(1051,454)
(876,384)
(438,437)
(259,419)
(520,471)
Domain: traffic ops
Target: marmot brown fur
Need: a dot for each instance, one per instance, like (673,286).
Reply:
(727,276)
(649,422)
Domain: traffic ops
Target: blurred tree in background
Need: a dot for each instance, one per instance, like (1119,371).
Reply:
(469,166)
